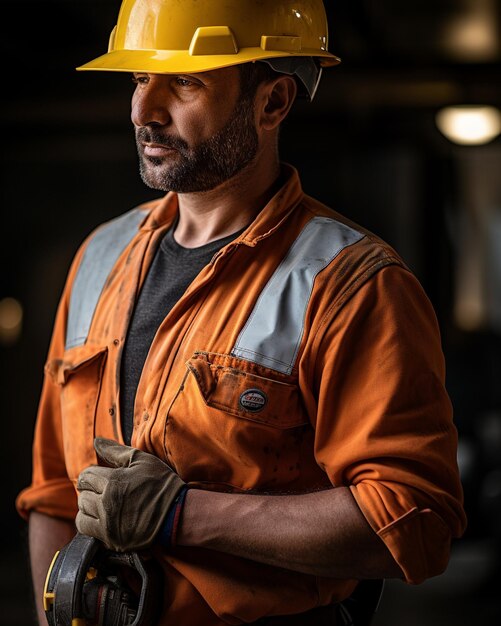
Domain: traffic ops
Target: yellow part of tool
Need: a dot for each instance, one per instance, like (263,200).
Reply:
(49,596)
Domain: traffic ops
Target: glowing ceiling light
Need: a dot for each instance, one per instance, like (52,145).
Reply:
(11,318)
(472,35)
(469,125)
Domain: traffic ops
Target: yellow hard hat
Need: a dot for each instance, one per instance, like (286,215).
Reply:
(182,36)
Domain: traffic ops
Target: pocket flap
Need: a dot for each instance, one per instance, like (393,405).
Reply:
(245,394)
(59,370)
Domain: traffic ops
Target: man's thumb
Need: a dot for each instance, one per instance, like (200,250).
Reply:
(112,452)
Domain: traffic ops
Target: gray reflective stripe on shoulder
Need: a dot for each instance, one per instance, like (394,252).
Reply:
(100,256)
(273,332)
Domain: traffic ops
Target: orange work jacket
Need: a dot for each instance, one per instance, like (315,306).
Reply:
(305,355)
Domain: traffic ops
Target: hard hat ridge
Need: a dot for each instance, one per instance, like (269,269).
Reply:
(189,36)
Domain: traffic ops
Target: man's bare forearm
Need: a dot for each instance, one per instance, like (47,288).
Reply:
(322,533)
(46,536)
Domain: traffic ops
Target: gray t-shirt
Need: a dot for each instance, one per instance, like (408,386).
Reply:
(170,274)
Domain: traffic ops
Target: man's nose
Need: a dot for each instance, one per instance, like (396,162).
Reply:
(150,102)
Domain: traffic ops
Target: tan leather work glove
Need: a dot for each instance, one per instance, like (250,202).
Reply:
(125,505)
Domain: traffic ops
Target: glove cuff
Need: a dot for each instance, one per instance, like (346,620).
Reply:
(166,536)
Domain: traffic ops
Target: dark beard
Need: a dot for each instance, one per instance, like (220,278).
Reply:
(206,165)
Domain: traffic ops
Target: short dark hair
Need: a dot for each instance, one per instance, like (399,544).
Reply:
(252,75)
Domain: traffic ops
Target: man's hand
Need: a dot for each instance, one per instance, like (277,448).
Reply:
(125,505)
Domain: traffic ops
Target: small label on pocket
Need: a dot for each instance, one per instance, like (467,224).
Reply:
(253,400)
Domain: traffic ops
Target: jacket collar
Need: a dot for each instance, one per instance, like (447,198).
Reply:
(164,211)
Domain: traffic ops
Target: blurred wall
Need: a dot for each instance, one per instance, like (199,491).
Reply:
(368,146)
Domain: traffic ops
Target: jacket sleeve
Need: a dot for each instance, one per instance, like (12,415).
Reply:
(51,491)
(384,423)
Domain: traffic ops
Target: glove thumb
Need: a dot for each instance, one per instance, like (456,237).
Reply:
(112,452)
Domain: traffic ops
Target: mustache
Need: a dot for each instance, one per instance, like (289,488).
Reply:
(148,135)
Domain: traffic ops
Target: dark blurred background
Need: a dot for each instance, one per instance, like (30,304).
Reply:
(369,146)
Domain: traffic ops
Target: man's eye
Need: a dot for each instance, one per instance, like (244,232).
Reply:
(139,80)
(184,82)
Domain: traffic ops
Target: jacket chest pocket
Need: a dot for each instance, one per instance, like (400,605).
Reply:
(80,377)
(233,425)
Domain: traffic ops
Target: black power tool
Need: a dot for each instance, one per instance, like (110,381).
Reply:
(88,585)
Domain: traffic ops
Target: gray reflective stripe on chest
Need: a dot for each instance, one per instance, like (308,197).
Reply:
(273,332)
(100,256)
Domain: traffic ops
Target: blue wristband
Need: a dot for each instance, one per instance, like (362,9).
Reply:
(166,536)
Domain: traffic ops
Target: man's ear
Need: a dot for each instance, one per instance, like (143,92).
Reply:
(275,99)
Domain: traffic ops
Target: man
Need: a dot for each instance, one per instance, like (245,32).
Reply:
(274,369)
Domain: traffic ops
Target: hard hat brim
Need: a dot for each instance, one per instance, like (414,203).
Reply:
(181,62)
